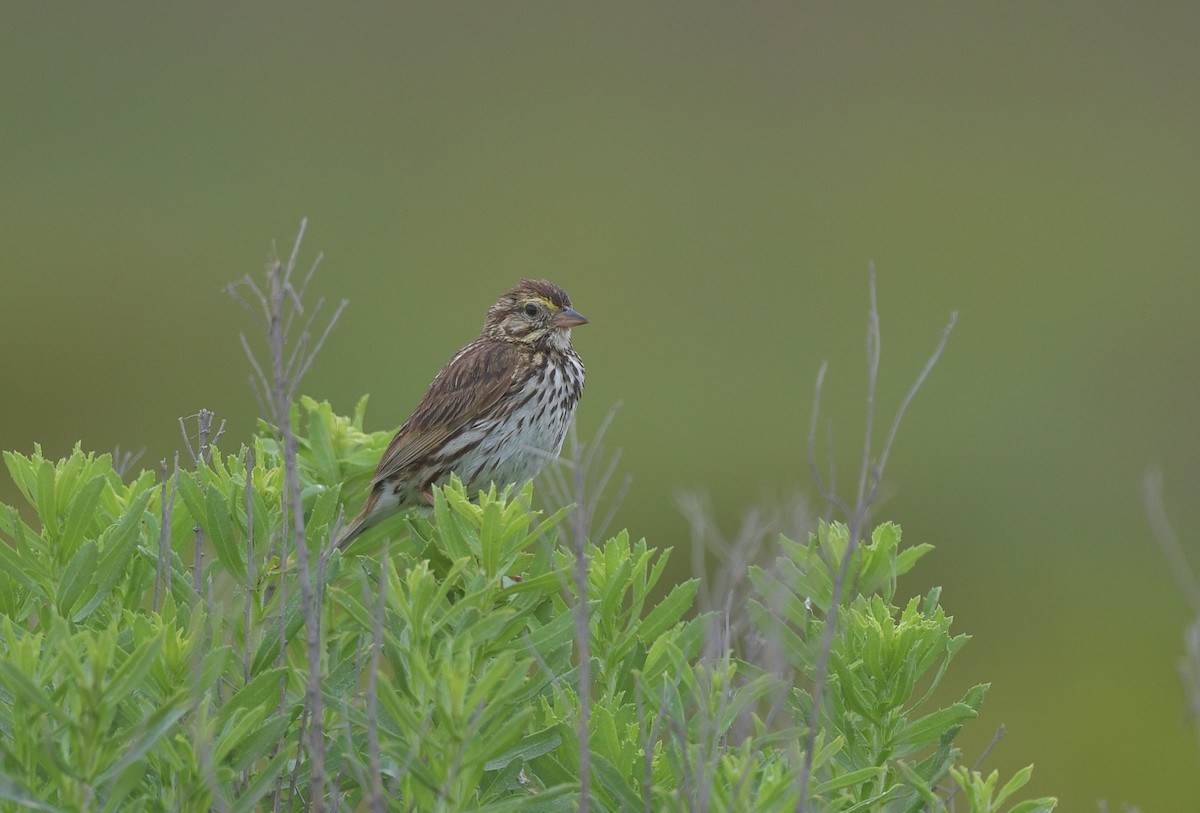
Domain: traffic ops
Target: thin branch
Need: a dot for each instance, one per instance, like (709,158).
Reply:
(954,788)
(316,348)
(187,441)
(582,460)
(1000,732)
(300,346)
(248,282)
(832,463)
(248,599)
(295,512)
(312,272)
(124,461)
(857,518)
(650,737)
(583,641)
(375,800)
(824,489)
(162,573)
(275,385)
(201,458)
(291,263)
(908,399)
(584,491)
(260,379)
(297,295)
(874,346)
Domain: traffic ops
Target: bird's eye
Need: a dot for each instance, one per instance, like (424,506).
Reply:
(531,310)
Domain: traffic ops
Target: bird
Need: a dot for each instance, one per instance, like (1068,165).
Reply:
(496,413)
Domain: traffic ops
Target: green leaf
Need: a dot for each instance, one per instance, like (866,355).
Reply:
(14,566)
(321,518)
(24,689)
(262,691)
(669,610)
(18,794)
(918,783)
(22,469)
(532,746)
(264,781)
(250,745)
(615,782)
(193,496)
(125,783)
(907,558)
(151,730)
(553,799)
(1042,805)
(220,531)
(849,780)
(76,576)
(320,416)
(128,677)
(974,696)
(212,666)
(360,410)
(1020,778)
(268,647)
(81,512)
(45,499)
(930,728)
(119,546)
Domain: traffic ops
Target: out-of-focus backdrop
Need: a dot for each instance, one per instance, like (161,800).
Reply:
(709,182)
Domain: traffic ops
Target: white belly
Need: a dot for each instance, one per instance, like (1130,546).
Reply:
(518,446)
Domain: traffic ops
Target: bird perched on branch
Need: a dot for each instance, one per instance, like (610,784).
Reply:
(497,412)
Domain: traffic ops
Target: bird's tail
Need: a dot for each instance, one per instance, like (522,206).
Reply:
(367,518)
(357,527)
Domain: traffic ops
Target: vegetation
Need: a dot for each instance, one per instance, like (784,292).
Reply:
(126,688)
(156,655)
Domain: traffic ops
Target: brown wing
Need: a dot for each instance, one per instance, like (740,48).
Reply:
(466,388)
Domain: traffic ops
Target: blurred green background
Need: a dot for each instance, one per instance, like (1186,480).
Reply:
(709,182)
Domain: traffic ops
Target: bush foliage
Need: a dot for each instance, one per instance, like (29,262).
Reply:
(449,660)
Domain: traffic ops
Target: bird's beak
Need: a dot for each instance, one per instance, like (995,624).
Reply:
(569,318)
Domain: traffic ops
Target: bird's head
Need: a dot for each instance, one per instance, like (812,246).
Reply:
(534,312)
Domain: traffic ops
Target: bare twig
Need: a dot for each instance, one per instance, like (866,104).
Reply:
(877,473)
(248,598)
(649,737)
(724,588)
(584,489)
(583,642)
(589,464)
(187,441)
(279,305)
(162,575)
(124,461)
(375,801)
(870,478)
(258,382)
(201,456)
(873,351)
(823,488)
(277,343)
(1000,732)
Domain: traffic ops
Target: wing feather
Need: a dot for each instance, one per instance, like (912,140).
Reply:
(466,388)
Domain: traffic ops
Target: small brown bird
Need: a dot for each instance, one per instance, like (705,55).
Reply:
(497,412)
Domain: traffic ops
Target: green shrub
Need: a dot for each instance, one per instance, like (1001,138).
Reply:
(448,656)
